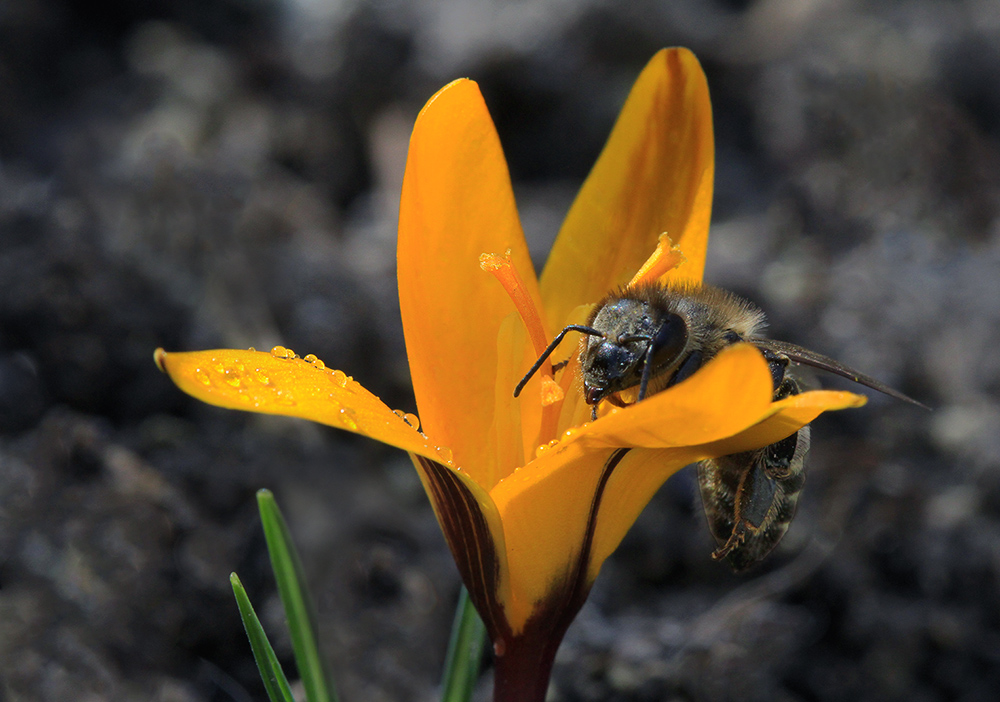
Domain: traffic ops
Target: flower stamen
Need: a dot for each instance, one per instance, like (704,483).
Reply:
(503,270)
(665,258)
(506,274)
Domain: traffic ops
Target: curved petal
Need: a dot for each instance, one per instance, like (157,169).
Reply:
(788,415)
(723,398)
(546,505)
(456,204)
(254,381)
(545,508)
(654,175)
(642,472)
(474,532)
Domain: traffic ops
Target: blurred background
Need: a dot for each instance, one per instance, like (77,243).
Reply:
(196,174)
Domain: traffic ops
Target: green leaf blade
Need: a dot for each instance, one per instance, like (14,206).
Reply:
(298,606)
(271,674)
(465,652)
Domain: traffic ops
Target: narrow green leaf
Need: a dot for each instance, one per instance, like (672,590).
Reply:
(465,652)
(298,606)
(270,669)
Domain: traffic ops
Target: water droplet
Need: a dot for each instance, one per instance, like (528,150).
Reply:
(311,358)
(339,377)
(412,419)
(202,376)
(286,399)
(232,378)
(252,350)
(445,453)
(347,418)
(282,352)
(261,377)
(219,368)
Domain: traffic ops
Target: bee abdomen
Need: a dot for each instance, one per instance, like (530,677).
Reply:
(750,498)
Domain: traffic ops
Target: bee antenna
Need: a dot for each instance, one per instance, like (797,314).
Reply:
(552,347)
(646,371)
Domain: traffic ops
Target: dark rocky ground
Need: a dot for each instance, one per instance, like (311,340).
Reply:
(198,174)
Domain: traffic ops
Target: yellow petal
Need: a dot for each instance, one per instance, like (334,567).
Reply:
(723,398)
(457,203)
(654,176)
(788,415)
(643,471)
(475,535)
(261,382)
(545,506)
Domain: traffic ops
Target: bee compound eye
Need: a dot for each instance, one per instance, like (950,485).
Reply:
(669,339)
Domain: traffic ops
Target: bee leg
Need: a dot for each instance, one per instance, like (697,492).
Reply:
(556,367)
(688,366)
(736,540)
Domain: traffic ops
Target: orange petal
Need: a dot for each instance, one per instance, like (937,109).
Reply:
(475,535)
(545,505)
(788,415)
(456,204)
(261,382)
(654,176)
(723,398)
(641,474)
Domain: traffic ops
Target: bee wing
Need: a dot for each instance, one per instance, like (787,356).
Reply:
(818,360)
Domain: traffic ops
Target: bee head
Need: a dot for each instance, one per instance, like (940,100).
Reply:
(636,340)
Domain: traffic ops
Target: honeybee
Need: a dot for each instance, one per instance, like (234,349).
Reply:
(654,336)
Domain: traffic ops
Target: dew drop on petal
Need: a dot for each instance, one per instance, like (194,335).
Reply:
(202,376)
(339,377)
(285,398)
(445,453)
(282,352)
(311,358)
(412,419)
(261,377)
(347,418)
